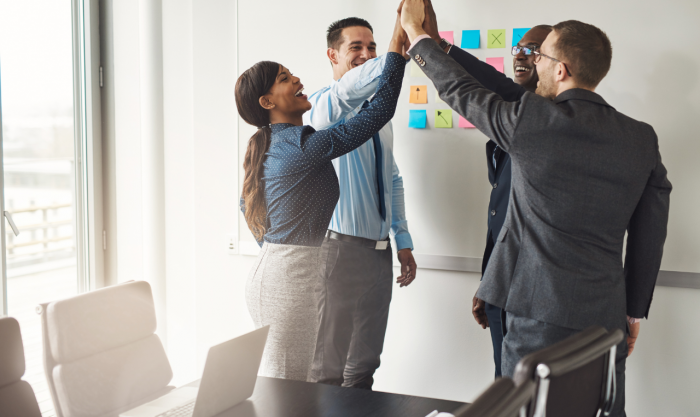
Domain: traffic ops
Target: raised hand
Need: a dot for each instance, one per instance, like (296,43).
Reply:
(398,38)
(430,25)
(412,17)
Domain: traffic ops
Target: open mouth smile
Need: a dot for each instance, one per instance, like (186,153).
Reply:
(299,92)
(522,70)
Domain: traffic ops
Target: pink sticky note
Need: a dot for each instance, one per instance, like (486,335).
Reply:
(496,63)
(449,36)
(465,123)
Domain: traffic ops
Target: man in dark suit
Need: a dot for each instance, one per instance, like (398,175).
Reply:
(583,175)
(497,160)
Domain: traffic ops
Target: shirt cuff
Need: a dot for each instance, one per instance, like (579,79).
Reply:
(418,39)
(632,320)
(403,241)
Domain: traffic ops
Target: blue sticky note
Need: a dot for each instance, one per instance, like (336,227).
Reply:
(417,119)
(518,34)
(470,39)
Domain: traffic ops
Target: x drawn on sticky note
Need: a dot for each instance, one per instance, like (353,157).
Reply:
(416,71)
(417,119)
(465,123)
(518,34)
(448,35)
(443,118)
(471,39)
(496,63)
(497,38)
(419,94)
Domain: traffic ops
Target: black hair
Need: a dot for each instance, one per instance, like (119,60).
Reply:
(334,34)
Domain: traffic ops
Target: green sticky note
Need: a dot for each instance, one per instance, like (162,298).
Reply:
(496,38)
(443,118)
(416,71)
(437,97)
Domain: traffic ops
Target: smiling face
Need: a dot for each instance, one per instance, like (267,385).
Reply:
(285,100)
(524,65)
(357,47)
(546,68)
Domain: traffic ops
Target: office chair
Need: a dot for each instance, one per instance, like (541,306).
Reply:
(101,353)
(17,397)
(501,399)
(575,377)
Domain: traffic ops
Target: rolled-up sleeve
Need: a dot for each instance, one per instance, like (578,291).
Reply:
(399,224)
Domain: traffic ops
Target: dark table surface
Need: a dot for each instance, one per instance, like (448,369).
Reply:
(284,398)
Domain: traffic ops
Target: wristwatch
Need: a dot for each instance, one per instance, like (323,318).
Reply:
(445,45)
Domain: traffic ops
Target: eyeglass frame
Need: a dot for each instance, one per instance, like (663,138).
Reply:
(538,58)
(531,49)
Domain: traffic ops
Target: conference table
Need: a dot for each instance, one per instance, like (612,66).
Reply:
(275,397)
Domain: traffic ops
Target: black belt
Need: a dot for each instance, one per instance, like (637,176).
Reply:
(368,243)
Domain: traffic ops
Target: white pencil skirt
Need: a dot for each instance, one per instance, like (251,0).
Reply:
(281,292)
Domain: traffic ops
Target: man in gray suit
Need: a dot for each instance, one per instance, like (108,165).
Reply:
(583,174)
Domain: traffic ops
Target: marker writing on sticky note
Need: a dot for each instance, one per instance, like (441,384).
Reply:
(496,63)
(417,119)
(448,35)
(443,118)
(471,39)
(518,34)
(496,38)
(419,94)
(464,123)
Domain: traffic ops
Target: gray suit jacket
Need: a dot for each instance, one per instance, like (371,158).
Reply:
(583,175)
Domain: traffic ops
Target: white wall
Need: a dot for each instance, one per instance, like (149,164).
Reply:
(433,347)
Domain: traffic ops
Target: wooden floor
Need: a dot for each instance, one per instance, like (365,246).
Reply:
(24,293)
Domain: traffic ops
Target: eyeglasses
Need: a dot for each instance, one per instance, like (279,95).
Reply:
(538,58)
(526,50)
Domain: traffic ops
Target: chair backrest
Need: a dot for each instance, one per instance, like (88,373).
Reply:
(101,353)
(575,377)
(17,397)
(501,399)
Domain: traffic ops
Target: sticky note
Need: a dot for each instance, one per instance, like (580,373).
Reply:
(496,63)
(449,36)
(443,118)
(471,39)
(416,71)
(518,34)
(437,97)
(496,38)
(419,94)
(417,119)
(465,123)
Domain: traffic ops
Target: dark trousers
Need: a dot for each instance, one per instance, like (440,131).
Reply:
(354,296)
(524,336)
(493,314)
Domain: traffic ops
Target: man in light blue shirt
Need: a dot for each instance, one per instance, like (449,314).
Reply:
(356,260)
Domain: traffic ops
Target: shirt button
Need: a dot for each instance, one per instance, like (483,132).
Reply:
(495,185)
(493,212)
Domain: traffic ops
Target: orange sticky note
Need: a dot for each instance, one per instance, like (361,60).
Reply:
(419,94)
(465,123)
(496,63)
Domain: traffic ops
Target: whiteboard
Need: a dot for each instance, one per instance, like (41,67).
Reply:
(653,79)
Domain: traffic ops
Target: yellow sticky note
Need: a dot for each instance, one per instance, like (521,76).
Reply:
(419,94)
(437,97)
(416,71)
(443,118)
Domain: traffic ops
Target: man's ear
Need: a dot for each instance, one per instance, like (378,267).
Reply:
(561,72)
(332,56)
(266,103)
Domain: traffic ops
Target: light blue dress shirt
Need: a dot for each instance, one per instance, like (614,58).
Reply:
(357,211)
